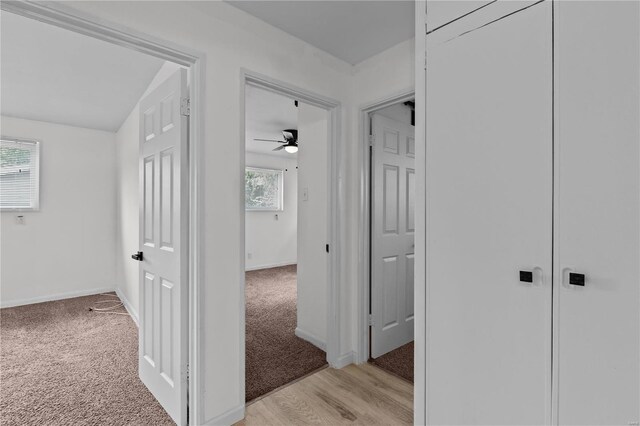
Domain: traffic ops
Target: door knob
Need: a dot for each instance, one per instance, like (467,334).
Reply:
(576,279)
(137,256)
(526,276)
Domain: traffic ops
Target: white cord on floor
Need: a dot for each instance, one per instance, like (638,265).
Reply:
(109,309)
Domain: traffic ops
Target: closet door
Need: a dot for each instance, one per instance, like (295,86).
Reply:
(489,216)
(597,325)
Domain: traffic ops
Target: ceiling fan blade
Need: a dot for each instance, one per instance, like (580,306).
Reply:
(287,135)
(279,148)
(269,140)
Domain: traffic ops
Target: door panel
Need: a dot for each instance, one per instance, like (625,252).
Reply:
(163,237)
(489,215)
(392,234)
(598,212)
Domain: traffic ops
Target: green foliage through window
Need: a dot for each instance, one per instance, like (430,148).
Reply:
(263,189)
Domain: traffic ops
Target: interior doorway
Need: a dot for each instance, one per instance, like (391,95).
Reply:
(289,243)
(389,236)
(285,275)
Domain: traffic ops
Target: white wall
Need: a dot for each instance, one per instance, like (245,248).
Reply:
(233,40)
(312,225)
(127,195)
(66,248)
(269,241)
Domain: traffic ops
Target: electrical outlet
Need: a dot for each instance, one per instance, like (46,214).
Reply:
(249,255)
(20,220)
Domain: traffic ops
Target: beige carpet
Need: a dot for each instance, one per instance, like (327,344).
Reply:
(398,361)
(275,355)
(61,364)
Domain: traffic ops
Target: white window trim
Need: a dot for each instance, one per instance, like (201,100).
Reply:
(280,172)
(35,170)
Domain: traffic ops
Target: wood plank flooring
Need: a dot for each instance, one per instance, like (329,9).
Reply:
(360,395)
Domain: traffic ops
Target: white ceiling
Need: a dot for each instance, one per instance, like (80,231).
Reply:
(267,115)
(55,75)
(350,30)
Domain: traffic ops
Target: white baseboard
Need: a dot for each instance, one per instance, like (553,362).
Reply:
(311,338)
(133,313)
(228,418)
(52,297)
(343,360)
(271,265)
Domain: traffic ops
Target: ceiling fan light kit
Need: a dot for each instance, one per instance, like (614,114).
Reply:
(290,141)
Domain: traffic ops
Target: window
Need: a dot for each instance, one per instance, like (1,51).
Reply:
(19,170)
(263,189)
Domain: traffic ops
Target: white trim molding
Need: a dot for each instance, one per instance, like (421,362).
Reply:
(311,338)
(228,417)
(271,265)
(133,313)
(53,297)
(344,360)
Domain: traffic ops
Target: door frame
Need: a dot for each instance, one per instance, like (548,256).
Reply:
(364,213)
(335,195)
(71,19)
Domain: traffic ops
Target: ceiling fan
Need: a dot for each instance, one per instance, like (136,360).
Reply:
(290,141)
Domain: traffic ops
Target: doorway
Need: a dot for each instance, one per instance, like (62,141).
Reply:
(184,179)
(285,276)
(387,236)
(290,239)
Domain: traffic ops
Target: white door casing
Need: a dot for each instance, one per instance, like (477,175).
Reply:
(392,234)
(597,326)
(489,216)
(163,240)
(313,212)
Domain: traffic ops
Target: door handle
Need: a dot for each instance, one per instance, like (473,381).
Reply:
(572,279)
(137,256)
(576,279)
(526,276)
(530,276)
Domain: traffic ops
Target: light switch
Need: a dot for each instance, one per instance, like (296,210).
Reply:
(305,194)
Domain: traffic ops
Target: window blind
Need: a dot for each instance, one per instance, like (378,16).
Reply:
(19,170)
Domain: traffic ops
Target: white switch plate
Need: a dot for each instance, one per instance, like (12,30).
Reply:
(305,194)
(19,220)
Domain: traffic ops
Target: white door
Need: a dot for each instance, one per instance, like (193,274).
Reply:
(163,243)
(598,212)
(489,216)
(392,234)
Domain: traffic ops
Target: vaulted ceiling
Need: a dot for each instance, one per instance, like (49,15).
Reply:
(55,75)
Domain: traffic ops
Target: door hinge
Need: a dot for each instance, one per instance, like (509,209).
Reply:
(370,320)
(372,140)
(185,107)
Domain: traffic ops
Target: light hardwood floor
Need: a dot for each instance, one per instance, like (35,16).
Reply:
(361,395)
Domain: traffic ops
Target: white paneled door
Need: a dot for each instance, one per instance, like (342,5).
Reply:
(163,245)
(489,217)
(392,234)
